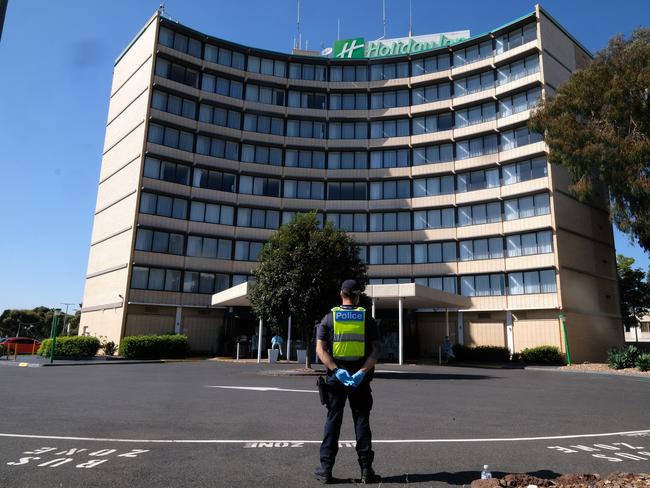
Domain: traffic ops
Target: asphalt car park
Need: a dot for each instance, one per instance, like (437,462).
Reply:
(210,423)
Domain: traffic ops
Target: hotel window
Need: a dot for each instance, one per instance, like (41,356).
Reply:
(156,241)
(347,160)
(307,100)
(349,222)
(305,128)
(390,159)
(315,72)
(434,219)
(431,93)
(520,208)
(209,283)
(173,104)
(387,190)
(166,171)
(270,67)
(222,86)
(430,64)
(389,71)
(179,42)
(346,190)
(531,243)
(144,278)
(248,250)
(472,53)
(255,185)
(314,190)
(349,73)
(390,254)
(219,116)
(482,285)
(264,94)
(476,114)
(518,69)
(177,72)
(442,283)
(261,155)
(519,102)
(164,206)
(259,218)
(532,282)
(389,128)
(389,99)
(304,159)
(478,146)
(218,148)
(223,56)
(490,248)
(474,84)
(524,171)
(433,154)
(212,213)
(348,130)
(432,123)
(516,38)
(214,180)
(264,124)
(348,101)
(390,221)
(167,136)
(438,185)
(208,247)
(483,213)
(435,252)
(478,180)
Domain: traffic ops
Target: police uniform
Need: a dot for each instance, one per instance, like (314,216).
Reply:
(348,332)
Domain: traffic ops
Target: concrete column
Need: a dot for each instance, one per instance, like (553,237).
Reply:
(289,339)
(259,343)
(447,322)
(461,333)
(373,308)
(509,332)
(401,330)
(177,321)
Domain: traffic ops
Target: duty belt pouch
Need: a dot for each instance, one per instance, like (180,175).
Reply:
(322,391)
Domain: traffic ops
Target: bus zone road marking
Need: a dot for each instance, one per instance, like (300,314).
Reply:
(82,458)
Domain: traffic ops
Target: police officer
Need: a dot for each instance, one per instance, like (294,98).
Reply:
(348,344)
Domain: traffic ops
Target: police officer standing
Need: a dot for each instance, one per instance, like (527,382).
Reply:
(348,344)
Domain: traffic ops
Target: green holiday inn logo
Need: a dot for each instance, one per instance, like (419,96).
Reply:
(358,48)
(349,48)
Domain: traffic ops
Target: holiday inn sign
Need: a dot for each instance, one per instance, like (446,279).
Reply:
(357,48)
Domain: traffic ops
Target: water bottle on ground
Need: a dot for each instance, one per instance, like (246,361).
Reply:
(486,474)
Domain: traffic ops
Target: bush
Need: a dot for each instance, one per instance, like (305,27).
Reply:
(494,354)
(622,357)
(71,347)
(542,355)
(154,347)
(643,362)
(109,347)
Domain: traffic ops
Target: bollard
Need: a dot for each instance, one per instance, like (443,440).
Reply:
(237,351)
(33,346)
(439,355)
(15,351)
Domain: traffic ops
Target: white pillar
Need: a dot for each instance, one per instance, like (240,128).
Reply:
(289,340)
(177,321)
(447,322)
(259,343)
(461,334)
(401,331)
(509,332)
(373,308)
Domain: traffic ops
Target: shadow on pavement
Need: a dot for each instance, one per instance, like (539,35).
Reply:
(429,376)
(459,478)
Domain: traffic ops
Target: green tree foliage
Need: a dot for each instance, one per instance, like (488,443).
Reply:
(300,272)
(34,323)
(598,127)
(634,291)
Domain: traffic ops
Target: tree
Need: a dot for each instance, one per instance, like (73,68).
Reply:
(598,127)
(300,272)
(634,291)
(34,323)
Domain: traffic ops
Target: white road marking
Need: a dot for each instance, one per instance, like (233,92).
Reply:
(260,388)
(375,441)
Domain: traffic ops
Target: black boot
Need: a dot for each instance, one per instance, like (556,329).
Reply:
(368,475)
(323,475)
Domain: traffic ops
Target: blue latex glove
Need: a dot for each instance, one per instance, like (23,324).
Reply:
(357,378)
(344,377)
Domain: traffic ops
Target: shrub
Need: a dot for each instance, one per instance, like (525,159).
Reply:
(71,347)
(643,362)
(154,347)
(494,354)
(109,347)
(622,357)
(542,355)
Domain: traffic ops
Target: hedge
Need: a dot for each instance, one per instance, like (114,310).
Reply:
(154,347)
(71,347)
(495,354)
(542,355)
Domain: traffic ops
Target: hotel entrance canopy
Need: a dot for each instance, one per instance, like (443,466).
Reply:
(409,295)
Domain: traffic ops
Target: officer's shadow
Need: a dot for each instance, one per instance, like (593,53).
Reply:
(458,478)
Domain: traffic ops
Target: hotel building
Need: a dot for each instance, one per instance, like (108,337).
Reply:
(424,157)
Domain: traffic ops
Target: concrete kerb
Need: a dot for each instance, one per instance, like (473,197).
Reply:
(560,369)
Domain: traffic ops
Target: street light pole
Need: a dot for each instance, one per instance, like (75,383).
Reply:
(53,330)
(65,317)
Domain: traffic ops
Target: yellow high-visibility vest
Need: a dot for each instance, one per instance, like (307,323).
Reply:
(349,333)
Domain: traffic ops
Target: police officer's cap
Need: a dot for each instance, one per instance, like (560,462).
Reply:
(351,286)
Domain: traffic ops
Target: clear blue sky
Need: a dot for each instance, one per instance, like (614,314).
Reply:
(57,61)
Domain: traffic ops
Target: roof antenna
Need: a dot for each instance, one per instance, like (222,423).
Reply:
(383,9)
(161,9)
(298,42)
(410,18)
(338,29)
